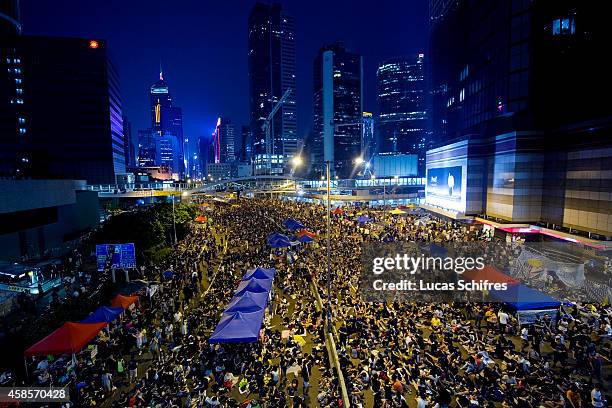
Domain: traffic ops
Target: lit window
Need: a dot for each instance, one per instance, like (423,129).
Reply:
(19,91)
(21,121)
(22,131)
(18,80)
(563,26)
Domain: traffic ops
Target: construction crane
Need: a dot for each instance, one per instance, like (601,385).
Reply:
(268,121)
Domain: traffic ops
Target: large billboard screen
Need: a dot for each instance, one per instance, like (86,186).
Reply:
(122,256)
(445,187)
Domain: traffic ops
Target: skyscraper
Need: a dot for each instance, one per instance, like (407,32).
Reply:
(402,119)
(128,145)
(167,121)
(520,92)
(246,144)
(226,141)
(338,88)
(60,110)
(271,73)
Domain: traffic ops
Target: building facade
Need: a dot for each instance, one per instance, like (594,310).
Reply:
(167,120)
(60,110)
(338,109)
(271,60)
(510,78)
(402,125)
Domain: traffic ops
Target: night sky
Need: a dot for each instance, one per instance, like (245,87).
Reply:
(203,47)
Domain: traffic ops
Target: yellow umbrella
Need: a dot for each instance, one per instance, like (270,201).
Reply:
(299,340)
(396,211)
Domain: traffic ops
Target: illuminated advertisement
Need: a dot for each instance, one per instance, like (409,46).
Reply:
(445,187)
(122,256)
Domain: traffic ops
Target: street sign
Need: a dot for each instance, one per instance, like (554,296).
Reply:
(122,256)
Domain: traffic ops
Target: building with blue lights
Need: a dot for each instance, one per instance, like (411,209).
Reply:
(60,110)
(520,112)
(403,118)
(338,109)
(271,59)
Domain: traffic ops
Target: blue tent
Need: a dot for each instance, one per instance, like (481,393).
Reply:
(168,274)
(248,302)
(238,327)
(103,314)
(305,239)
(254,285)
(292,224)
(259,273)
(521,297)
(363,219)
(277,240)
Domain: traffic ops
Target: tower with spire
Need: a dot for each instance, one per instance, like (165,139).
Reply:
(167,127)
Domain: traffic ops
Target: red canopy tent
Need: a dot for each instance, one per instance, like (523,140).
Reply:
(123,301)
(201,218)
(337,211)
(488,273)
(68,339)
(307,233)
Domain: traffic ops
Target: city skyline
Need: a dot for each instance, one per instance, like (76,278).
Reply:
(187,49)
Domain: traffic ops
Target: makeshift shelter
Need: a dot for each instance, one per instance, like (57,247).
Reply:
(307,233)
(248,302)
(259,273)
(520,297)
(201,219)
(68,339)
(123,301)
(363,219)
(292,224)
(337,211)
(168,274)
(277,240)
(238,327)
(490,274)
(254,285)
(103,314)
(305,239)
(396,211)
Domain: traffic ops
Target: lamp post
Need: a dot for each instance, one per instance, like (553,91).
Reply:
(174,220)
(296,161)
(329,312)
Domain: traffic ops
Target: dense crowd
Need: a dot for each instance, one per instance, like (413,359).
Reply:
(393,354)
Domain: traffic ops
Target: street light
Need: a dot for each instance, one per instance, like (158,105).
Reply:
(359,160)
(296,161)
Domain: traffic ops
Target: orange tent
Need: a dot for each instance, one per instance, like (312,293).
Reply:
(68,339)
(201,218)
(123,301)
(307,233)
(488,273)
(337,211)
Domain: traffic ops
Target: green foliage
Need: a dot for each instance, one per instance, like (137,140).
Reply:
(148,228)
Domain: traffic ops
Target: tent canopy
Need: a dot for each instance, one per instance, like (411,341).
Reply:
(238,327)
(68,339)
(103,314)
(488,273)
(254,285)
(337,211)
(259,273)
(123,301)
(363,219)
(201,218)
(277,240)
(307,233)
(292,224)
(396,211)
(521,297)
(305,239)
(248,302)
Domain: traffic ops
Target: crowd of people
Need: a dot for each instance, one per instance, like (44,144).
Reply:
(391,354)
